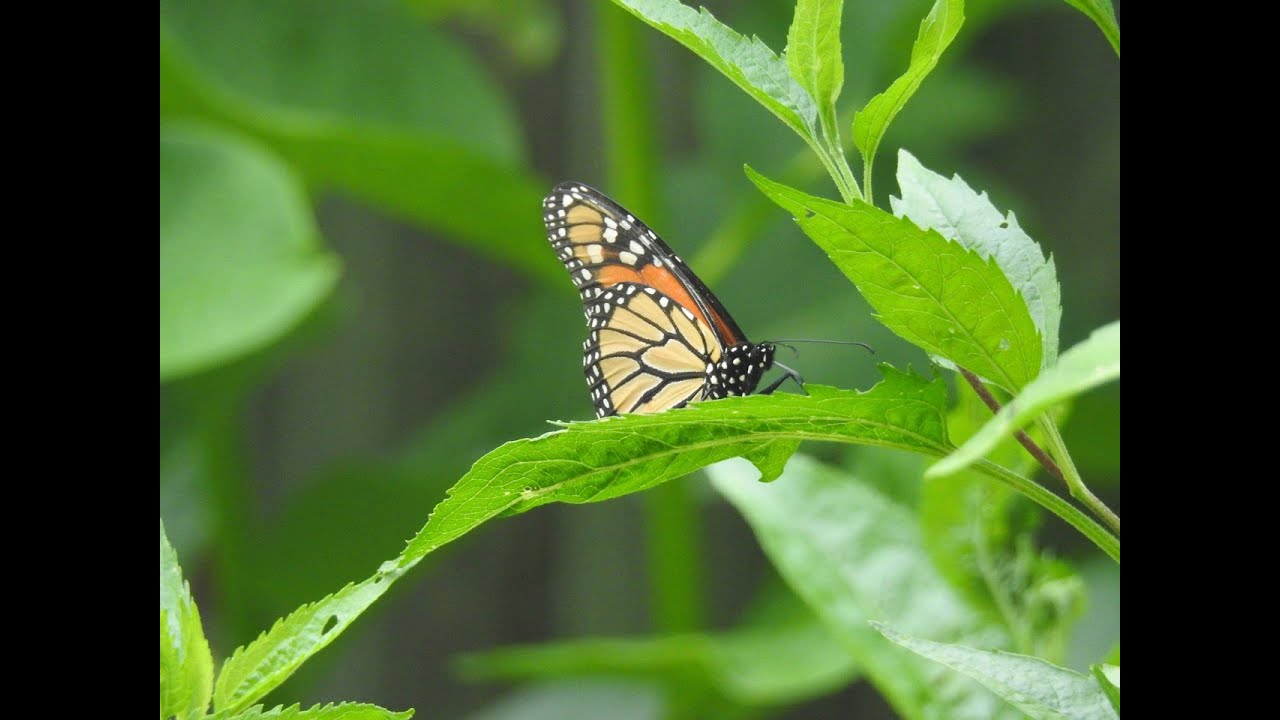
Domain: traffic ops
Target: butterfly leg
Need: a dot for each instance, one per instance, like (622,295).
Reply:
(790,375)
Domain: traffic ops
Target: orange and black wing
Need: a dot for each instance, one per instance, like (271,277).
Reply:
(656,332)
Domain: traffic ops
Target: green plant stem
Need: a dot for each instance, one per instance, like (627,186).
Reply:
(1075,483)
(1108,543)
(632,165)
(1023,439)
(866,182)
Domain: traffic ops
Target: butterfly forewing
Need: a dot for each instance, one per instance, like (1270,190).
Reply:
(657,334)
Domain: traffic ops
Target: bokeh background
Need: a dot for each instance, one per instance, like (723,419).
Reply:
(424,134)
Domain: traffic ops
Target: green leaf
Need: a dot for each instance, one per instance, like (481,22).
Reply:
(1103,15)
(599,460)
(578,699)
(372,64)
(594,461)
(338,90)
(958,213)
(749,63)
(1108,677)
(813,57)
(1087,365)
(852,555)
(1041,690)
(937,30)
(240,260)
(788,660)
(332,711)
(257,668)
(186,665)
(935,293)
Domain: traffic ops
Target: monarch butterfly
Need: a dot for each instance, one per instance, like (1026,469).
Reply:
(658,339)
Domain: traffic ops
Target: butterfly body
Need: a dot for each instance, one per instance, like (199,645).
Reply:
(657,337)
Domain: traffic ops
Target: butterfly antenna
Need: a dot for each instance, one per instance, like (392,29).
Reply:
(784,342)
(792,348)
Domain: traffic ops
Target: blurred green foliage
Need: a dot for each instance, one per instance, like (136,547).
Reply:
(363,178)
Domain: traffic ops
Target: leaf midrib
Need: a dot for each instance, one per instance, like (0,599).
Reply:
(1009,382)
(927,445)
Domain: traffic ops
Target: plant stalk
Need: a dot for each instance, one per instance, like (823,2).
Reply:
(632,168)
(1023,439)
(1075,483)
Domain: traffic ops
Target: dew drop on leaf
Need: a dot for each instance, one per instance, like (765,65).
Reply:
(1004,344)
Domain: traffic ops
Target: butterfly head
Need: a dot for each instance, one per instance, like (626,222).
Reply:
(740,369)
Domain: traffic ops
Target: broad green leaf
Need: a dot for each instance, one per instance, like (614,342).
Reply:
(1089,364)
(240,260)
(594,461)
(854,556)
(1103,15)
(257,668)
(749,63)
(371,64)
(432,147)
(934,292)
(1108,678)
(957,212)
(813,57)
(186,665)
(332,711)
(579,699)
(1041,690)
(937,30)
(789,660)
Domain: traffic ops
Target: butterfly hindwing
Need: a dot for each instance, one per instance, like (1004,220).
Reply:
(645,353)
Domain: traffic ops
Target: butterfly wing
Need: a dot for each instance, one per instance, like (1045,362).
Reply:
(656,331)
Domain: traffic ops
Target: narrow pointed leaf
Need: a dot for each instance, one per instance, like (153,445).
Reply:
(186,665)
(1103,14)
(748,62)
(813,57)
(333,711)
(259,667)
(1040,689)
(599,460)
(590,462)
(937,30)
(769,665)
(1091,363)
